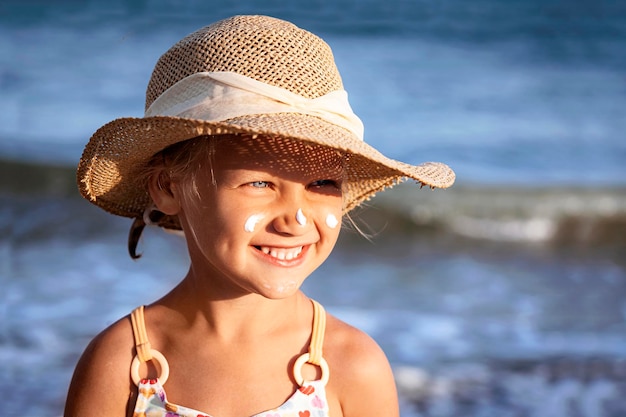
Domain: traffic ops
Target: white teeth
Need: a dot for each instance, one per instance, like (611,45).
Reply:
(282,254)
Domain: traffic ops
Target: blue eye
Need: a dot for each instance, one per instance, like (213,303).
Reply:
(259,184)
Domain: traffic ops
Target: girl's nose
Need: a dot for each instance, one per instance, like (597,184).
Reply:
(292,221)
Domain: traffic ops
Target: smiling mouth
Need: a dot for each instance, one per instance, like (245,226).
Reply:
(281,253)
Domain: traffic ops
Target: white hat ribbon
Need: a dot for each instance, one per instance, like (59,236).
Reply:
(219,96)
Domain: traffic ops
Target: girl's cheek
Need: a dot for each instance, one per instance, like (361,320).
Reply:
(252,221)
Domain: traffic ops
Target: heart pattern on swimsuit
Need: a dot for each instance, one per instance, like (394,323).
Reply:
(308,390)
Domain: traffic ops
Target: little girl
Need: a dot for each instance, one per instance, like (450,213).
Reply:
(250,148)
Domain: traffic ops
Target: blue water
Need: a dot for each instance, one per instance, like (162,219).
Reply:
(513,92)
(476,293)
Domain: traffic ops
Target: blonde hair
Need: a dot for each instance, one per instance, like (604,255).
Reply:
(179,163)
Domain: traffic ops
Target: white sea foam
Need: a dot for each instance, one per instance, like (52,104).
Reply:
(527,230)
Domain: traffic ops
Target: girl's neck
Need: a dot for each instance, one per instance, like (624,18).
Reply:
(236,316)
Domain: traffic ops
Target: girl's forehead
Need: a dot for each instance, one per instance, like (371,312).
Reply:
(285,155)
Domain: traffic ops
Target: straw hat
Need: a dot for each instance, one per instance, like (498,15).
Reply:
(253,75)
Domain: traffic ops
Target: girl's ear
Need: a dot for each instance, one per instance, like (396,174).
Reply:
(160,189)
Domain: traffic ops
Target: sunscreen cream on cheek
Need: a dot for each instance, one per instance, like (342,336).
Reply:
(331,221)
(252,222)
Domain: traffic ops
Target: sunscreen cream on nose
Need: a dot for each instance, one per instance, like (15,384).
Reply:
(300,218)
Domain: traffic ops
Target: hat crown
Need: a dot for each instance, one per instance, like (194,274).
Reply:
(266,49)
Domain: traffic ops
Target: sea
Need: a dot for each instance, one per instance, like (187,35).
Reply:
(504,295)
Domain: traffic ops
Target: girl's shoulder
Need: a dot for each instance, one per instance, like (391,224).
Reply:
(353,350)
(361,375)
(113,344)
(101,378)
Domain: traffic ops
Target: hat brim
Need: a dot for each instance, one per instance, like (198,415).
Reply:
(108,172)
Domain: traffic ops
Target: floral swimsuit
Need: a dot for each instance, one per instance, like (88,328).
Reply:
(308,401)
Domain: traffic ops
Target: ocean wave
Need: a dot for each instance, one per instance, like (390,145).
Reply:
(556,387)
(557,215)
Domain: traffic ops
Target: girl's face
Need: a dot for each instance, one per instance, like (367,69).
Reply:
(263,215)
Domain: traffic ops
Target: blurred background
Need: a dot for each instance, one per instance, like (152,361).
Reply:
(502,296)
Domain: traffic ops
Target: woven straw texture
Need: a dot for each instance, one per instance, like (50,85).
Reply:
(266,49)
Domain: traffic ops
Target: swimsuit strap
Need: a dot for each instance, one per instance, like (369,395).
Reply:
(144,350)
(142,345)
(317,336)
(314,355)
